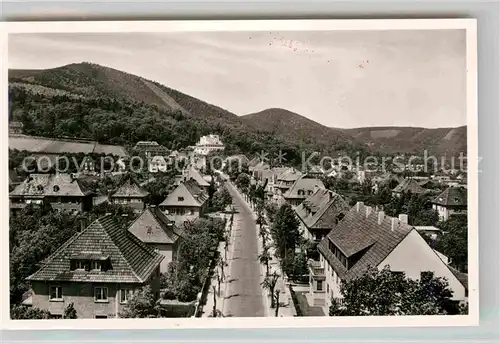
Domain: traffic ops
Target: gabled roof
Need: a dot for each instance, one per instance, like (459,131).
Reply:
(290,175)
(409,185)
(131,261)
(320,210)
(453,196)
(130,188)
(187,194)
(153,226)
(41,185)
(462,277)
(359,234)
(193,173)
(303,187)
(14,177)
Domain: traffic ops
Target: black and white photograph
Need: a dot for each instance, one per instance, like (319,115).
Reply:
(286,173)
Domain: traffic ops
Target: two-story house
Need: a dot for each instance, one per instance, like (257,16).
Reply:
(452,201)
(365,238)
(283,183)
(130,194)
(158,232)
(320,213)
(61,191)
(96,270)
(303,187)
(190,172)
(186,203)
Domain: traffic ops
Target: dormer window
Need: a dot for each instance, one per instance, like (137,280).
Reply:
(39,187)
(80,265)
(96,265)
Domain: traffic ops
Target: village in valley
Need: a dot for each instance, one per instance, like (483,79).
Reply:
(196,232)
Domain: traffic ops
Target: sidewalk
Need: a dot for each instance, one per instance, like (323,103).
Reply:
(220,293)
(287,308)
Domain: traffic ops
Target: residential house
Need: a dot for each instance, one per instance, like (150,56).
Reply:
(284,182)
(315,171)
(62,191)
(451,201)
(190,172)
(408,185)
(96,270)
(151,149)
(365,238)
(186,203)
(257,171)
(320,213)
(303,187)
(130,194)
(158,232)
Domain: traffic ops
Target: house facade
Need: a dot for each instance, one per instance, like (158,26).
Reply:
(320,213)
(208,144)
(452,201)
(158,232)
(96,270)
(130,194)
(186,203)
(61,191)
(283,183)
(365,238)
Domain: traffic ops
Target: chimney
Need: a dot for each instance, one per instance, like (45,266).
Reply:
(368,211)
(394,223)
(381,216)
(359,205)
(83,223)
(403,218)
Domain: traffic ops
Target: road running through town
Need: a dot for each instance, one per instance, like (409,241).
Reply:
(243,296)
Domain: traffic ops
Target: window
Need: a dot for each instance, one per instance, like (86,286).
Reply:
(55,316)
(180,198)
(101,294)
(319,285)
(327,288)
(55,293)
(96,265)
(125,295)
(79,265)
(101,316)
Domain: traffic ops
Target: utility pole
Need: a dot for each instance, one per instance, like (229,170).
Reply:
(277,302)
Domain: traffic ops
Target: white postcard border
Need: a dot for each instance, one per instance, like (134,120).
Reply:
(472,319)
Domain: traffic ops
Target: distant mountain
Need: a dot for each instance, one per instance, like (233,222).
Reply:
(390,140)
(110,106)
(93,80)
(296,128)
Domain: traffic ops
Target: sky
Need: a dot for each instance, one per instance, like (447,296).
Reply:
(343,79)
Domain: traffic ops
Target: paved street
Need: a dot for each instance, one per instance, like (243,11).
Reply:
(244,292)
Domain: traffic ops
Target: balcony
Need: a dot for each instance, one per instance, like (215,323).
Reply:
(316,270)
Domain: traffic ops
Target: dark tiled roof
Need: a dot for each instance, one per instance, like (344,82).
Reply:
(453,196)
(356,233)
(303,187)
(409,185)
(130,188)
(321,209)
(190,192)
(152,226)
(131,260)
(193,173)
(60,184)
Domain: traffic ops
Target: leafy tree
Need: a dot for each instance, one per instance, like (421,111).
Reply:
(70,312)
(24,312)
(142,304)
(265,257)
(453,241)
(269,283)
(243,181)
(285,230)
(383,292)
(221,199)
